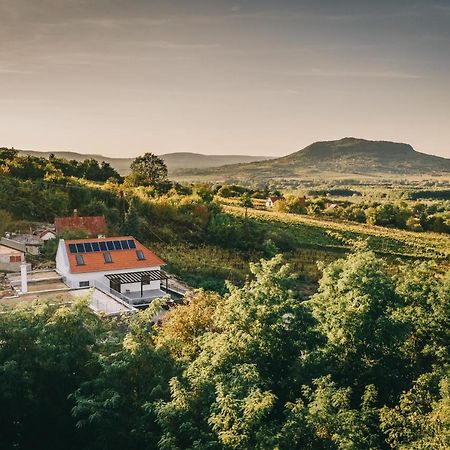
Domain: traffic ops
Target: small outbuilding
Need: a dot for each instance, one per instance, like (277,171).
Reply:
(10,259)
(270,202)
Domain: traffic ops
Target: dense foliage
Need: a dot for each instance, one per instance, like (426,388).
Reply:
(53,168)
(363,364)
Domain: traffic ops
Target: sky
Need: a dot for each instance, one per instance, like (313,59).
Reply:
(258,77)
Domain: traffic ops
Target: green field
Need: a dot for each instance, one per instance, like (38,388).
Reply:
(323,233)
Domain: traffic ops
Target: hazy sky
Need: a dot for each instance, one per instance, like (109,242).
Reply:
(121,77)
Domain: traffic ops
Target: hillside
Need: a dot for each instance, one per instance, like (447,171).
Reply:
(349,157)
(174,161)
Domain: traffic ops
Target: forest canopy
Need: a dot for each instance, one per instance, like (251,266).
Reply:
(362,364)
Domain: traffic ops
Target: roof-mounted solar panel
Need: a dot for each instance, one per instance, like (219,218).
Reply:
(103,246)
(124,245)
(117,245)
(110,245)
(72,248)
(88,247)
(80,248)
(95,246)
(131,243)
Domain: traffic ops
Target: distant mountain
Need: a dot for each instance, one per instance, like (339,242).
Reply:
(349,157)
(174,161)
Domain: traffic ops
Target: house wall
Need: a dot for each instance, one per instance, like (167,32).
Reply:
(62,261)
(5,259)
(74,279)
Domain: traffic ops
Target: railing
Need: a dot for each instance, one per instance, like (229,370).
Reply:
(112,292)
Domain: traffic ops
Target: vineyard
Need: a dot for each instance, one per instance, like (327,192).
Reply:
(327,234)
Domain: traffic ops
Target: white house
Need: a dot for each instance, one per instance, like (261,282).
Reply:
(121,266)
(10,258)
(47,235)
(270,201)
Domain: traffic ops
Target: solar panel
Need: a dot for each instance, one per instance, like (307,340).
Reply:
(88,247)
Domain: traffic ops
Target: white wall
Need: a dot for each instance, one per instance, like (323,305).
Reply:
(62,261)
(75,278)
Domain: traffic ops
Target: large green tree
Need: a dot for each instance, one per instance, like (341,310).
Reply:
(147,170)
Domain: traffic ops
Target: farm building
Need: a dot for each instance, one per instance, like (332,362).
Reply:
(270,202)
(47,235)
(10,259)
(120,265)
(93,225)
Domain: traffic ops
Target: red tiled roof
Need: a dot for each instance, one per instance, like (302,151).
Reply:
(121,259)
(95,225)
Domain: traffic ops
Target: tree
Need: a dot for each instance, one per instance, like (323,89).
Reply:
(421,420)
(45,353)
(247,364)
(246,202)
(354,307)
(132,225)
(117,407)
(147,170)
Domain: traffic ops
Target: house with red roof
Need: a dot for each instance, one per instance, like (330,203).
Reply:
(120,266)
(93,225)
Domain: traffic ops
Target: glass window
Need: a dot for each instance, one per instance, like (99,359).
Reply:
(140,255)
(107,257)
(80,260)
(84,284)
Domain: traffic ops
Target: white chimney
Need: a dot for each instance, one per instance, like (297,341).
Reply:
(24,277)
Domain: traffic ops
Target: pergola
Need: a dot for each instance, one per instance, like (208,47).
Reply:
(144,277)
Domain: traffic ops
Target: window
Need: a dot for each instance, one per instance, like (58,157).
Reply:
(15,258)
(83,284)
(140,255)
(107,257)
(80,260)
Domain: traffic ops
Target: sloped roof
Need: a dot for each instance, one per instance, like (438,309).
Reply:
(121,259)
(95,225)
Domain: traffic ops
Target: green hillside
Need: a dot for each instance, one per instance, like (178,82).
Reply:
(175,161)
(348,157)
